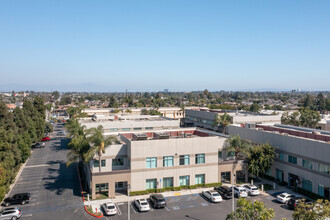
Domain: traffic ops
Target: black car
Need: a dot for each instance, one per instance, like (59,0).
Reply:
(293,202)
(224,191)
(38,145)
(21,198)
(157,201)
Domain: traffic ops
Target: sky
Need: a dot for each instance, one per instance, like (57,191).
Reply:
(181,45)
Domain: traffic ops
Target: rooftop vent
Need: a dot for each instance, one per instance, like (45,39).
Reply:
(161,136)
(316,132)
(139,137)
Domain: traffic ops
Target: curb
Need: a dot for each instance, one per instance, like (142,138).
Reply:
(16,178)
(82,195)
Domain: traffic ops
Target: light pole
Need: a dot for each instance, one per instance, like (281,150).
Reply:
(128,209)
(232,192)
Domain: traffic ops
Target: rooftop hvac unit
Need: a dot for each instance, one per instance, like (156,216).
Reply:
(276,132)
(316,132)
(187,135)
(139,137)
(161,136)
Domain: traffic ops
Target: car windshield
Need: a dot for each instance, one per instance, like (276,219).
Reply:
(161,200)
(144,203)
(111,207)
(282,196)
(243,190)
(254,188)
(215,194)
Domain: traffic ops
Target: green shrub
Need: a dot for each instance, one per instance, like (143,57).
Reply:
(309,194)
(178,188)
(192,187)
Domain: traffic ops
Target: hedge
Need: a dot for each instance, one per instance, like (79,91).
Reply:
(178,188)
(309,194)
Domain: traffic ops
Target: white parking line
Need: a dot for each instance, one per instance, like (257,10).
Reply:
(119,211)
(132,207)
(167,209)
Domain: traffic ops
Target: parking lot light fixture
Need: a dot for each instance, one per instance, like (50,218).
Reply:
(128,209)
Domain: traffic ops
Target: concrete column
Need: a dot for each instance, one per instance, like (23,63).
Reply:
(93,190)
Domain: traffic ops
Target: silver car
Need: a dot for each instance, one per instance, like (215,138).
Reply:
(10,213)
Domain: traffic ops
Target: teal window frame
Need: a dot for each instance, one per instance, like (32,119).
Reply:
(200,179)
(151,162)
(292,159)
(168,161)
(184,160)
(199,158)
(167,182)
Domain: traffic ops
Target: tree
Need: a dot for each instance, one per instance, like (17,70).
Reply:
(97,143)
(39,104)
(312,211)
(255,107)
(305,117)
(321,103)
(236,145)
(56,95)
(309,101)
(260,159)
(223,120)
(251,210)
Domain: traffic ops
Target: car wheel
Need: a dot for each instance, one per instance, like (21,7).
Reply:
(23,202)
(14,218)
(249,193)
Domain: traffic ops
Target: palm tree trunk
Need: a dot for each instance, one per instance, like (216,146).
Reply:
(100,163)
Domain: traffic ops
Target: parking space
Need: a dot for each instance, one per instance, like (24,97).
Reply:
(196,206)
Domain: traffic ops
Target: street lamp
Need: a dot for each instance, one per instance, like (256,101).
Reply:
(232,192)
(129,214)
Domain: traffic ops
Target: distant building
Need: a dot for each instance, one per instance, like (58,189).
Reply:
(165,90)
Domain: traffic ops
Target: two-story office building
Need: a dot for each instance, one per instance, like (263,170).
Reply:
(160,159)
(303,154)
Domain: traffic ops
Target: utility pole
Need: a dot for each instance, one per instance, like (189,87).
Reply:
(128,208)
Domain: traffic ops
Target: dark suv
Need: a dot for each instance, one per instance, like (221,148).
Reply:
(158,201)
(293,202)
(224,191)
(20,198)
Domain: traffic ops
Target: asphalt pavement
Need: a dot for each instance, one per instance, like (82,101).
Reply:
(54,188)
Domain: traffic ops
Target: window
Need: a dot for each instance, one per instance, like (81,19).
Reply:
(321,190)
(184,159)
(184,180)
(101,187)
(281,157)
(168,182)
(200,158)
(135,129)
(151,162)
(151,183)
(307,164)
(307,185)
(119,185)
(125,129)
(118,162)
(220,154)
(168,161)
(231,154)
(292,159)
(113,129)
(199,178)
(96,163)
(149,128)
(102,163)
(324,169)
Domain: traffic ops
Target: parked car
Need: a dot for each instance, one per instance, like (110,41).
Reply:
(11,213)
(109,208)
(224,191)
(284,197)
(61,133)
(252,190)
(157,200)
(142,205)
(293,202)
(21,198)
(45,139)
(63,120)
(239,191)
(39,145)
(212,195)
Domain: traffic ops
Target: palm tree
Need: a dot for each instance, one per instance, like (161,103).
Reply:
(235,144)
(74,128)
(223,120)
(78,148)
(97,143)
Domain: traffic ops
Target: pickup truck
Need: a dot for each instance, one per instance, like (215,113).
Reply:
(21,198)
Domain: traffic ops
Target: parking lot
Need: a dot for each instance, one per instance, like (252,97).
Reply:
(196,207)
(54,188)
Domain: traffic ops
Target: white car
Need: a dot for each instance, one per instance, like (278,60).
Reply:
(284,197)
(61,133)
(109,208)
(142,205)
(252,190)
(212,195)
(239,191)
